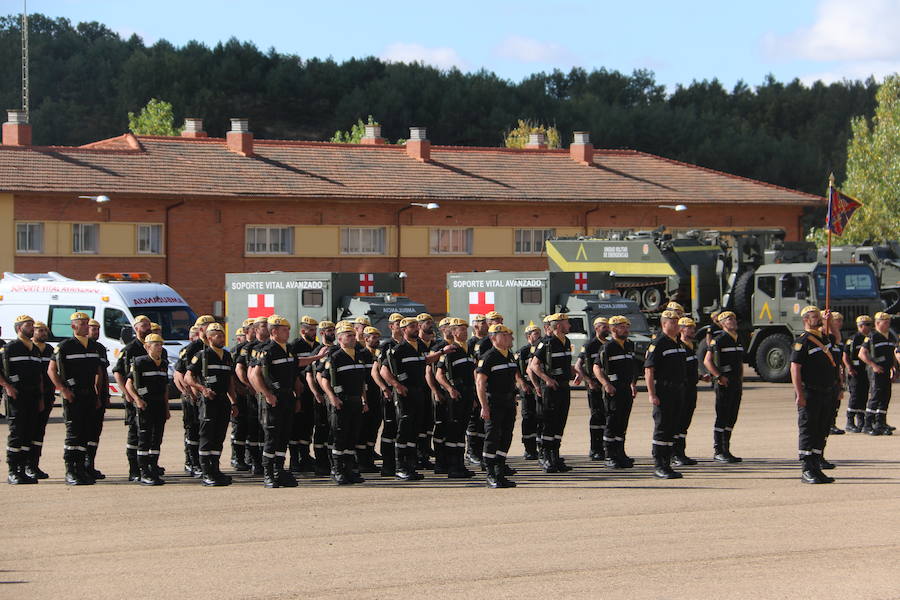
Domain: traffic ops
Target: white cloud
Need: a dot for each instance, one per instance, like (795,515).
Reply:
(529,50)
(843,31)
(858,70)
(442,57)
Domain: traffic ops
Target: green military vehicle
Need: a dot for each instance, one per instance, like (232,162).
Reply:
(885,259)
(322,296)
(525,297)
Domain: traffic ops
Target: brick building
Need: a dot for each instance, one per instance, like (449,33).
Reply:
(190,209)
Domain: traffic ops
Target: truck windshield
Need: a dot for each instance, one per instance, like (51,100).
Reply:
(176,321)
(847,281)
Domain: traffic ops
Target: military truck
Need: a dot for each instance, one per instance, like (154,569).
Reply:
(323,296)
(885,259)
(525,297)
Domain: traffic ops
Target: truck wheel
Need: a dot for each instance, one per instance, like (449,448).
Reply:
(632,294)
(652,299)
(773,358)
(743,295)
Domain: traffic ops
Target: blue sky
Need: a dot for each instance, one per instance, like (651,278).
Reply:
(680,42)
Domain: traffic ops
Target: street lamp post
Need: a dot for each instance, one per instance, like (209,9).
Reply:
(427,206)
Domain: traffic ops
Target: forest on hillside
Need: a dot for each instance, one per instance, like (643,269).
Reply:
(85,79)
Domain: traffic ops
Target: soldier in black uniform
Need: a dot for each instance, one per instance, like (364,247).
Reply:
(497,377)
(665,370)
(132,350)
(304,421)
(257,334)
(239,420)
(455,372)
(616,370)
(424,450)
(530,420)
(371,419)
(688,329)
(388,407)
(23,389)
(475,428)
(97,427)
(189,402)
(879,353)
(725,363)
(404,370)
(835,324)
(322,433)
(814,374)
(276,375)
(148,385)
(857,375)
(584,367)
(552,364)
(211,375)
(343,380)
(77,372)
(41,335)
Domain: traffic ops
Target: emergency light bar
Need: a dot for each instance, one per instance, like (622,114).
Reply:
(104,277)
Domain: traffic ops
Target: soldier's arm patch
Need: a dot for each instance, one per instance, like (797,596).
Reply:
(182,353)
(712,342)
(541,345)
(798,346)
(651,348)
(866,341)
(194,360)
(480,363)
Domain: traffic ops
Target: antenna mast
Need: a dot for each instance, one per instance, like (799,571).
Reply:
(25,99)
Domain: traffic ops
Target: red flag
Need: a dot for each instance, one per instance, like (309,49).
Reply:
(840,208)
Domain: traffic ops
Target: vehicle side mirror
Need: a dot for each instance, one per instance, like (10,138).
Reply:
(127,335)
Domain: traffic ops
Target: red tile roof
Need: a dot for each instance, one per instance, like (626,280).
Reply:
(194,167)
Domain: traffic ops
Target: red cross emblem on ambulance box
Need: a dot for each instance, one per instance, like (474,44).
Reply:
(367,283)
(480,303)
(260,305)
(581,282)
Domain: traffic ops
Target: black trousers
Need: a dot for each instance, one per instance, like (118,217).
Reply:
(371,419)
(190,418)
(498,430)
(410,415)
(618,412)
(304,421)
(665,418)
(597,421)
(239,422)
(439,430)
(150,423)
(96,427)
(859,392)
(277,421)
(728,404)
(389,428)
(322,433)
(22,417)
(43,417)
(79,416)
(813,420)
(459,411)
(131,422)
(255,433)
(686,411)
(346,423)
(475,427)
(879,393)
(529,416)
(214,416)
(555,412)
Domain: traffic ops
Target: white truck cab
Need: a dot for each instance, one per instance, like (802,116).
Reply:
(113,299)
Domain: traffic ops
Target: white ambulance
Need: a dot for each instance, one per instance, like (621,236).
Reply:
(113,299)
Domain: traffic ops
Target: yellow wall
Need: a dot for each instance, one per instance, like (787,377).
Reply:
(316,240)
(7,233)
(116,239)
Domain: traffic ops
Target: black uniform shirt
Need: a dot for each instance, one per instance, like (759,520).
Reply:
(459,367)
(187,353)
(22,365)
(812,354)
(667,357)
(728,353)
(280,370)
(522,357)
(219,370)
(473,345)
(302,347)
(881,349)
(837,351)
(590,354)
(500,369)
(368,356)
(347,374)
(46,357)
(851,347)
(104,355)
(79,363)
(245,355)
(692,364)
(149,379)
(409,363)
(130,352)
(618,363)
(484,344)
(558,354)
(384,350)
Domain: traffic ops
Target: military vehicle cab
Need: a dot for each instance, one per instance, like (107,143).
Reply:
(322,296)
(885,259)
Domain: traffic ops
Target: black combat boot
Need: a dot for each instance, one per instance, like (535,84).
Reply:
(457,467)
(476,447)
(501,472)
(15,476)
(551,459)
(134,469)
(89,463)
(835,430)
(811,472)
(207,475)
(679,456)
(880,426)
(196,465)
(156,470)
(596,452)
(307,465)
(147,476)
(284,476)
(851,423)
(269,479)
(411,460)
(218,475)
(341,475)
(423,453)
(256,460)
(351,467)
(663,468)
(402,468)
(237,457)
(726,437)
(388,459)
(824,465)
(868,423)
(81,469)
(32,469)
(294,461)
(719,454)
(561,465)
(530,445)
(491,473)
(323,464)
(72,476)
(366,460)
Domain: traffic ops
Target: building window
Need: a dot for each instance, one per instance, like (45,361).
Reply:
(451,241)
(29,237)
(531,295)
(531,241)
(312,298)
(362,240)
(84,238)
(270,240)
(149,239)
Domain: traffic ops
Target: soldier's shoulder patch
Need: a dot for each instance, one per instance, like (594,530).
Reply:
(378,352)
(327,364)
(712,342)
(798,346)
(651,348)
(182,353)
(541,345)
(516,356)
(481,363)
(194,360)
(866,341)
(244,352)
(582,349)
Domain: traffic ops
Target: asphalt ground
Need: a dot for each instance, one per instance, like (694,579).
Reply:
(750,530)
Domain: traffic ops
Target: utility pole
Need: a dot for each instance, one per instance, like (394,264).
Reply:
(25,90)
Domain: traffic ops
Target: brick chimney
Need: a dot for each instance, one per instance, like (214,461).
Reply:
(581,150)
(536,141)
(372,136)
(16,130)
(193,128)
(240,140)
(418,146)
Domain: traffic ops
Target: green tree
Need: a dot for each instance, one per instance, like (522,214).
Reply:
(518,136)
(873,171)
(155,118)
(354,135)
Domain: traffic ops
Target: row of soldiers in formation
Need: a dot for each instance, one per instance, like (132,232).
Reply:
(335,386)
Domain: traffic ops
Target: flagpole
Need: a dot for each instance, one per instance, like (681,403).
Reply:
(830,226)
